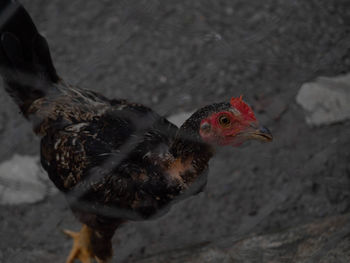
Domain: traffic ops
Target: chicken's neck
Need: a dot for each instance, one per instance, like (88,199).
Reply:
(185,146)
(191,154)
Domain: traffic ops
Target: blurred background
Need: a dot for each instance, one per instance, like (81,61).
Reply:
(288,201)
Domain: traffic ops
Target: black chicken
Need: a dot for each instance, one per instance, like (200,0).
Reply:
(114,160)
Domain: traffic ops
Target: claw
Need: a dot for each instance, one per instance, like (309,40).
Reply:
(70,233)
(81,245)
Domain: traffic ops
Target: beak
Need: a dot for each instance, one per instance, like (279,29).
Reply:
(254,132)
(262,134)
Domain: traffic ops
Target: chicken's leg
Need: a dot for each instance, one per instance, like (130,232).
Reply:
(82,248)
(93,243)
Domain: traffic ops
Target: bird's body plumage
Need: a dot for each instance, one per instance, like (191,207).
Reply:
(107,152)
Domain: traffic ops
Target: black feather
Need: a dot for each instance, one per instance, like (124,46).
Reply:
(25,60)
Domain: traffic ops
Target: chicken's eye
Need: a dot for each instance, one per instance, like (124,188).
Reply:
(224,121)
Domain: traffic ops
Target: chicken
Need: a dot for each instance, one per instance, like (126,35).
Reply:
(114,160)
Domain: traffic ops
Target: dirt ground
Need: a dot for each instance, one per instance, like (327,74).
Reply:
(177,56)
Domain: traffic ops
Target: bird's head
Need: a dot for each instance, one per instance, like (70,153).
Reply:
(231,124)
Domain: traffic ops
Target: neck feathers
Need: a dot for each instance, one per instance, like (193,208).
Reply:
(191,154)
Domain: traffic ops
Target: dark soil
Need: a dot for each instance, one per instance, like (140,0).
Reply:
(180,55)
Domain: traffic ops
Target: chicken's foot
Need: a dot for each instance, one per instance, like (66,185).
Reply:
(82,248)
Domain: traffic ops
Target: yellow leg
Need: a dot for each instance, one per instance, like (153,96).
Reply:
(81,249)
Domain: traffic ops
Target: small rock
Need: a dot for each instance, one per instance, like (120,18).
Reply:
(229,10)
(163,79)
(179,118)
(20,181)
(326,100)
(155,99)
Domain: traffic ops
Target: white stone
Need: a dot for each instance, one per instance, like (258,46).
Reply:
(179,118)
(326,101)
(21,180)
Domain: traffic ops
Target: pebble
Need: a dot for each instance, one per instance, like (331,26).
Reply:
(326,100)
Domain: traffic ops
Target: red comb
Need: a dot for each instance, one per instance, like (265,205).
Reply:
(243,107)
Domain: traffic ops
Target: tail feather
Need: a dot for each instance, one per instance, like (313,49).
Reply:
(25,61)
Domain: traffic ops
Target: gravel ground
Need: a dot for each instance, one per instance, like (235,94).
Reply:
(176,56)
